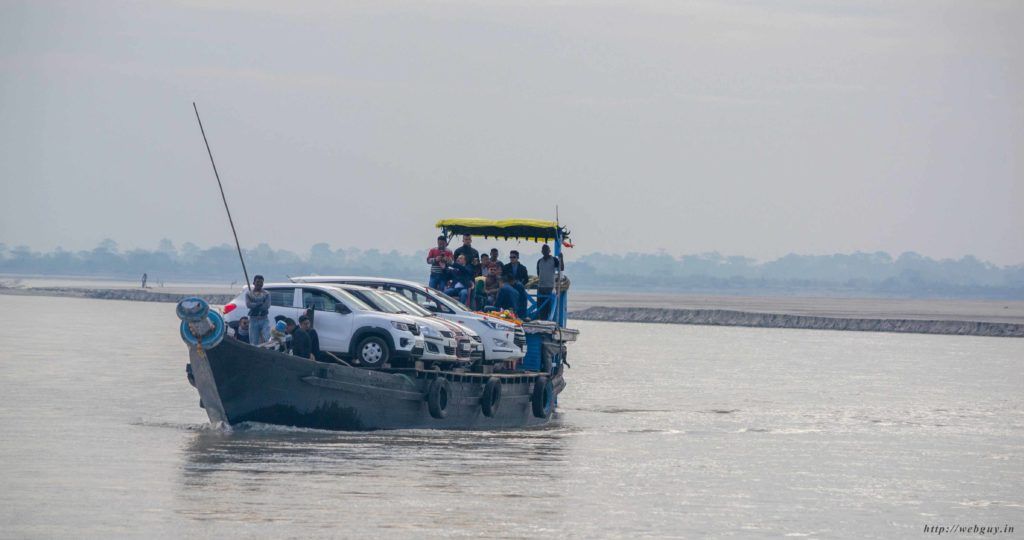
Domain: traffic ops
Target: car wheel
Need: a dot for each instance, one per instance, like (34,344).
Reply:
(372,352)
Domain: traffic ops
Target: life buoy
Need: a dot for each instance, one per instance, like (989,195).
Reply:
(543,399)
(211,338)
(491,397)
(438,396)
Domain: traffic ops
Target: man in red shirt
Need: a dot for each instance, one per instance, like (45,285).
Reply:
(434,257)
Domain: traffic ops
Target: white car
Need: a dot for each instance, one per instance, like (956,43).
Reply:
(439,341)
(345,325)
(469,345)
(462,333)
(502,340)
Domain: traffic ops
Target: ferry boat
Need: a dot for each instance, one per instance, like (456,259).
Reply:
(238,382)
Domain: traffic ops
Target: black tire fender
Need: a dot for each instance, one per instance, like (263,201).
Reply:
(439,395)
(491,397)
(543,399)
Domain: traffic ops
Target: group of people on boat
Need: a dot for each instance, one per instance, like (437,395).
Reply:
(286,335)
(482,281)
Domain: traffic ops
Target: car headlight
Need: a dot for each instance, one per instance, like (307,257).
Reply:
(496,325)
(400,326)
(429,331)
(501,343)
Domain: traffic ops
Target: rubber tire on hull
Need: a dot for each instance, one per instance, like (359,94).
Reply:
(372,352)
(438,396)
(491,398)
(543,397)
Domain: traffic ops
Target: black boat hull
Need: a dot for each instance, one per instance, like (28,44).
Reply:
(240,383)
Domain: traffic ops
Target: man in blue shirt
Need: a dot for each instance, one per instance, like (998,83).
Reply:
(507,297)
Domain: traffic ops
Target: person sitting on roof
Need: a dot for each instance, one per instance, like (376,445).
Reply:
(494,257)
(461,276)
(481,269)
(471,254)
(516,269)
(518,276)
(492,283)
(478,298)
(508,297)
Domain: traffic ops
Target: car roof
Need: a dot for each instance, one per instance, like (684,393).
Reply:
(290,285)
(353,279)
(349,286)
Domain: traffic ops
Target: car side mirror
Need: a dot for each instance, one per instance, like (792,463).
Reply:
(340,308)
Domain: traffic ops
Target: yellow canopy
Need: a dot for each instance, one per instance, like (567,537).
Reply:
(533,230)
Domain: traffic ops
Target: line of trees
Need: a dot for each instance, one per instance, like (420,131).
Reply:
(909,274)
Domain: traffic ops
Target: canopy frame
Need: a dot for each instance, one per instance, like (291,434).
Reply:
(531,230)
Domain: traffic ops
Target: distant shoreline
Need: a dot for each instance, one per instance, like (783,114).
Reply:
(721,317)
(134,295)
(706,314)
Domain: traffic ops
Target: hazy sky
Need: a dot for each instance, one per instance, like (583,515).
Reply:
(753,128)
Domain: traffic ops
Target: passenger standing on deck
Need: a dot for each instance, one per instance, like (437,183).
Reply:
(485,263)
(471,254)
(258,302)
(546,268)
(434,257)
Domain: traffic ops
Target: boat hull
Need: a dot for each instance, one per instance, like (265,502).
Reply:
(240,383)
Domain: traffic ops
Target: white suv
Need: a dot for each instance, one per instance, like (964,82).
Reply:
(439,342)
(502,340)
(345,325)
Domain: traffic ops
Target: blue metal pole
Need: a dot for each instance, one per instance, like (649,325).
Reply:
(560,297)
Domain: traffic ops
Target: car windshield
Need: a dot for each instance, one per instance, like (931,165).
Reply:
(383,302)
(405,304)
(448,301)
(352,301)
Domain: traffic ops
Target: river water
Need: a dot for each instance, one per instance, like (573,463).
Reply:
(663,431)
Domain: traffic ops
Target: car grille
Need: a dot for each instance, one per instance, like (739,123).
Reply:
(520,339)
(414,330)
(449,350)
(464,349)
